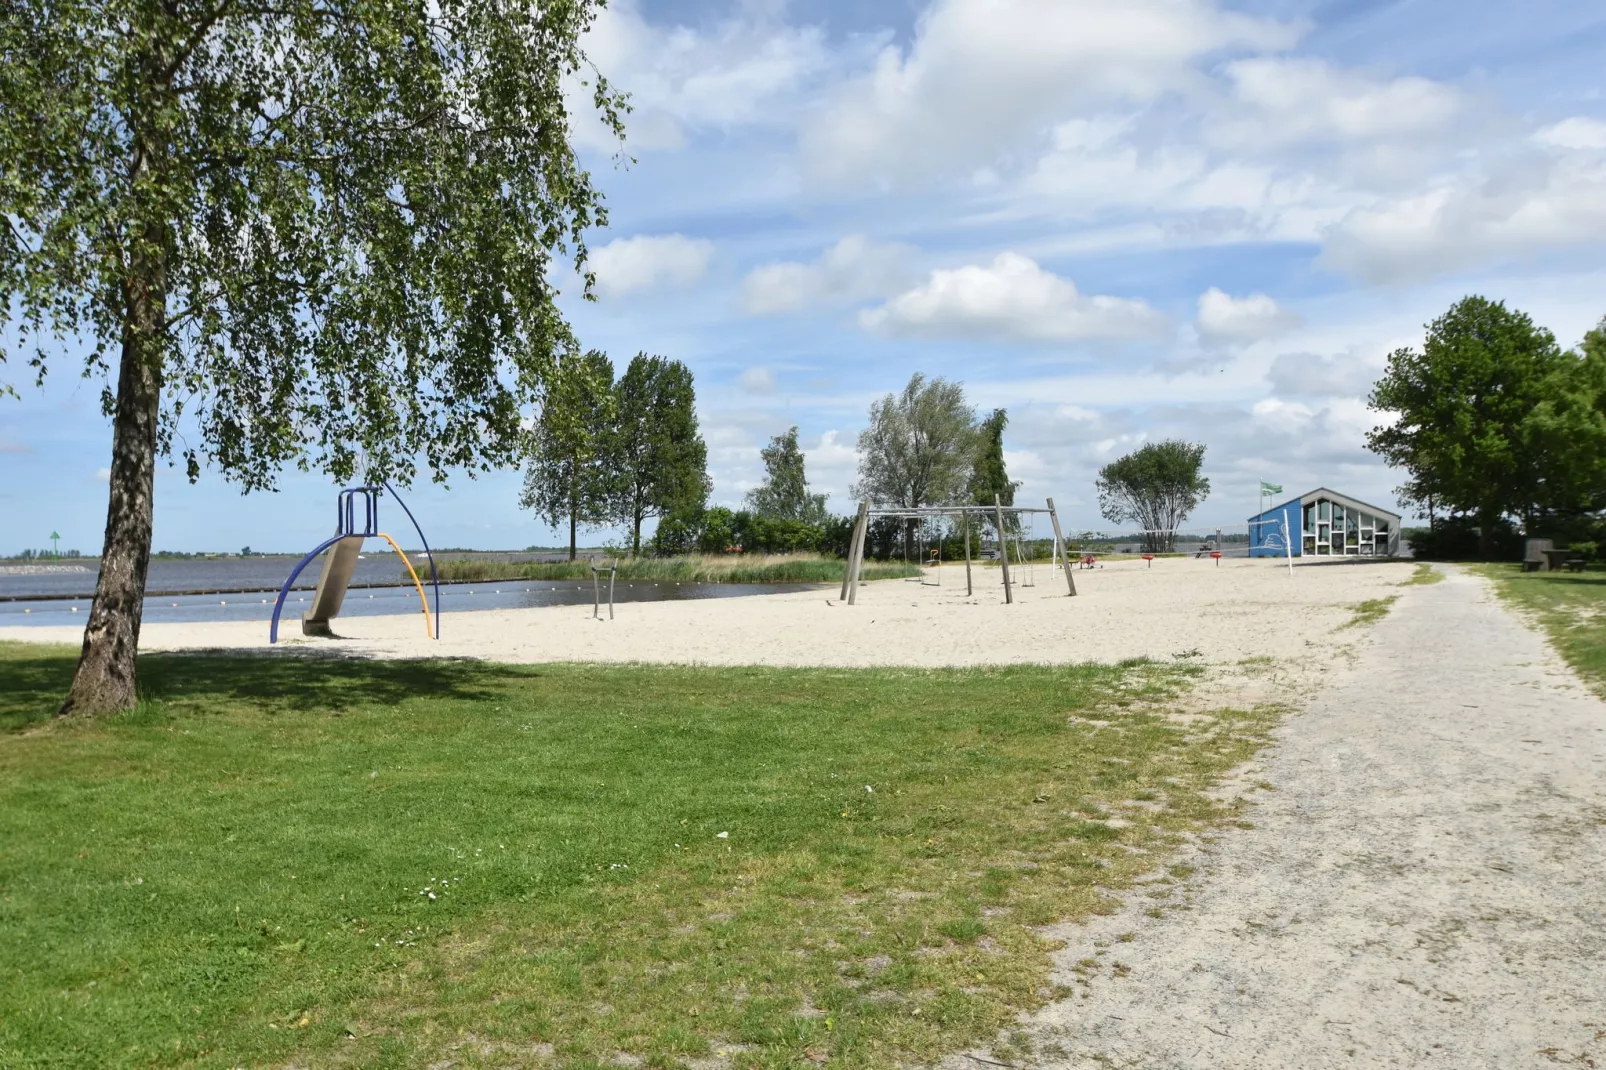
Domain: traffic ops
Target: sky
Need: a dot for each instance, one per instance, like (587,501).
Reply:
(1120,220)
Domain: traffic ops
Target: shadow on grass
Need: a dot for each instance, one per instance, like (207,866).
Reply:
(33,680)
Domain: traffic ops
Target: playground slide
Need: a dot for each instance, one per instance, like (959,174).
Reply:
(343,548)
(338,565)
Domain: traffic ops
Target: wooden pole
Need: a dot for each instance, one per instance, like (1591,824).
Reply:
(856,561)
(858,564)
(1003,548)
(1059,543)
(969,589)
(854,542)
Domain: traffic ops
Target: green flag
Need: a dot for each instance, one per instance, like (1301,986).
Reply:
(1270,488)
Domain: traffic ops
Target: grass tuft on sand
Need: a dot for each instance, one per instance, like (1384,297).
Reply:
(1569,606)
(1424,575)
(295,861)
(696,568)
(1370,611)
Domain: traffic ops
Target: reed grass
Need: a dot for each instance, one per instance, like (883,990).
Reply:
(701,568)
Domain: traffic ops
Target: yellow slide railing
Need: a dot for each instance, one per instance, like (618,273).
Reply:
(429,629)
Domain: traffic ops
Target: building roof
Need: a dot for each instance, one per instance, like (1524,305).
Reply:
(1327,492)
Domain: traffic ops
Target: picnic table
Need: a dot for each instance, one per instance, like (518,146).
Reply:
(1556,560)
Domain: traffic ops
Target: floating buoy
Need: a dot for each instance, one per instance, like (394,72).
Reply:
(75,609)
(27,611)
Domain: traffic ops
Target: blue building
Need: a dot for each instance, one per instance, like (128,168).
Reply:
(1325,523)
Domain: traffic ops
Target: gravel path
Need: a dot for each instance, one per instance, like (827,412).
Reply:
(1425,885)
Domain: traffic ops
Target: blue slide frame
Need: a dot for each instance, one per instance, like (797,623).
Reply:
(345,524)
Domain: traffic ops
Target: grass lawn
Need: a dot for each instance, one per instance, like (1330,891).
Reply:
(286,861)
(1570,606)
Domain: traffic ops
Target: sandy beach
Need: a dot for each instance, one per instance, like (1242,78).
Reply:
(1238,609)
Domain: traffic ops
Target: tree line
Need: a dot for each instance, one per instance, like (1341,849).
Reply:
(605,452)
(924,445)
(1501,432)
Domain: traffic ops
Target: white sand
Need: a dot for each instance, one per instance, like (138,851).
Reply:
(1239,609)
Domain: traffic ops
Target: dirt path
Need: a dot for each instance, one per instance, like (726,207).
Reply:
(1425,885)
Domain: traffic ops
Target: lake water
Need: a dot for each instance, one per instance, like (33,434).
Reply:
(267,573)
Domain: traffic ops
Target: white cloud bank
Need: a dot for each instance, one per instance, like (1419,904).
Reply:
(979,77)
(650,261)
(1226,320)
(854,268)
(744,70)
(1012,298)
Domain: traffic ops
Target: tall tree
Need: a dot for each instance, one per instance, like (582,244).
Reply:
(569,475)
(1566,432)
(1467,413)
(305,231)
(989,477)
(658,453)
(1155,486)
(784,494)
(918,448)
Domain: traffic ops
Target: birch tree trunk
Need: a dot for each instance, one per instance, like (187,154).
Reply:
(104,680)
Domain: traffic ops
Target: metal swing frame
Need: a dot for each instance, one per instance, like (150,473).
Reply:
(994,514)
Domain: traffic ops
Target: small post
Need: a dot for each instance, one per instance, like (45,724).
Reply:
(613,570)
(969,589)
(855,542)
(858,564)
(1059,545)
(1003,548)
(596,591)
(1288,542)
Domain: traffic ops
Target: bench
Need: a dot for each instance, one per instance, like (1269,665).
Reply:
(1576,564)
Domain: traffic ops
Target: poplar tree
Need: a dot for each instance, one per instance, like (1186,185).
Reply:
(784,494)
(570,476)
(918,449)
(311,232)
(658,453)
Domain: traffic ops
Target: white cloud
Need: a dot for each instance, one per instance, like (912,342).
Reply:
(103,475)
(1310,375)
(1527,204)
(758,380)
(744,70)
(650,261)
(832,464)
(979,79)
(1010,298)
(1227,320)
(1288,99)
(853,269)
(1574,133)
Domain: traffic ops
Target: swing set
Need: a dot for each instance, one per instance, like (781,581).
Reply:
(1007,526)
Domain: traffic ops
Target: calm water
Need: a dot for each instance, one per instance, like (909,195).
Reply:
(268,573)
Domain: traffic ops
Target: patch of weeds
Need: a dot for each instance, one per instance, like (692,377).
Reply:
(1370,611)
(1422,576)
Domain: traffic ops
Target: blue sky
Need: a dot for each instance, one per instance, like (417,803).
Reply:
(1122,220)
